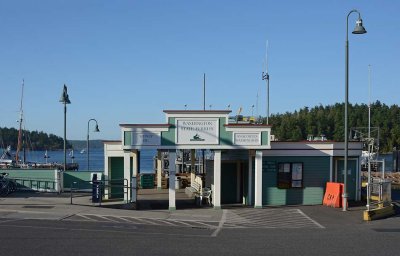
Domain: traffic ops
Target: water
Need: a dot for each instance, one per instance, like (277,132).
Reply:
(388,161)
(96,159)
(146,159)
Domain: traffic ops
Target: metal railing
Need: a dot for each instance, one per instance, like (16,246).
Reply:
(41,185)
(105,190)
(379,193)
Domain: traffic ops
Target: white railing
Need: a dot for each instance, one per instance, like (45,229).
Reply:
(379,193)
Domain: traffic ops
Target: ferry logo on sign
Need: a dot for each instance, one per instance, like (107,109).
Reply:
(196,138)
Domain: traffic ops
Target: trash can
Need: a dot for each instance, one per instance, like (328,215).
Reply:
(146,181)
(96,191)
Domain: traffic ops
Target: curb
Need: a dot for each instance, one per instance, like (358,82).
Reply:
(379,213)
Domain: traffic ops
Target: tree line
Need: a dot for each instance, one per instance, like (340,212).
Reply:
(290,126)
(329,120)
(33,140)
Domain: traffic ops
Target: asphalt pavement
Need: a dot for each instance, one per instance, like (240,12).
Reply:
(48,224)
(153,204)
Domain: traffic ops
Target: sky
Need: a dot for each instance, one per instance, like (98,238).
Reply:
(127,61)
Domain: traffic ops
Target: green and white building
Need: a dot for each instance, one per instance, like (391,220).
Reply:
(246,168)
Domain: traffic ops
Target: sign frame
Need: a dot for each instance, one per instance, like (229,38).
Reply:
(197,136)
(250,143)
(153,140)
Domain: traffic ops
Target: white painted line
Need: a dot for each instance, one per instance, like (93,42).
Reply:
(205,224)
(221,223)
(129,220)
(85,217)
(313,221)
(145,221)
(166,222)
(4,221)
(180,222)
(103,217)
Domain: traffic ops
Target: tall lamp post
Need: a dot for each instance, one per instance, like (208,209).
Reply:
(65,100)
(359,29)
(96,129)
(265,76)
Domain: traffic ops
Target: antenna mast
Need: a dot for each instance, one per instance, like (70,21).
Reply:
(257,105)
(265,76)
(369,103)
(204,91)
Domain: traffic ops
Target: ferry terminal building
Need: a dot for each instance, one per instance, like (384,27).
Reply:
(247,167)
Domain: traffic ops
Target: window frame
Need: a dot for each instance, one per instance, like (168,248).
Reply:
(285,179)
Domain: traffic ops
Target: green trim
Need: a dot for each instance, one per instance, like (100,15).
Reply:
(258,207)
(264,138)
(82,179)
(127,138)
(225,137)
(168,138)
(217,207)
(172,208)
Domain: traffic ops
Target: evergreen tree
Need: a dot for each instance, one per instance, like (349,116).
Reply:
(32,140)
(329,120)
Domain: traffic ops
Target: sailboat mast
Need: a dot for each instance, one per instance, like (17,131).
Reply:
(20,125)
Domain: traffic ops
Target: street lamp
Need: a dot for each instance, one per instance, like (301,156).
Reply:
(96,129)
(359,29)
(65,100)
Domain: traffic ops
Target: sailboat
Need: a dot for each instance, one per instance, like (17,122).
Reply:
(8,161)
(5,159)
(71,154)
(46,156)
(19,145)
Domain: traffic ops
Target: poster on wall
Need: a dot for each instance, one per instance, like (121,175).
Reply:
(297,175)
(197,131)
(297,171)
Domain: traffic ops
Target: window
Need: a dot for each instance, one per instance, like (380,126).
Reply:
(290,175)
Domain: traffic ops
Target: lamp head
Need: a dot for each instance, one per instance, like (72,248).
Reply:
(359,29)
(96,129)
(64,96)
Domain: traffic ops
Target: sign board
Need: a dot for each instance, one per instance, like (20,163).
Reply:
(146,138)
(247,139)
(197,131)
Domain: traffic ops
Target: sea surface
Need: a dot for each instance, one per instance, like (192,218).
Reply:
(96,158)
(388,158)
(146,159)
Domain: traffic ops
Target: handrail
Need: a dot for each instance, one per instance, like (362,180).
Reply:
(380,193)
(35,183)
(103,184)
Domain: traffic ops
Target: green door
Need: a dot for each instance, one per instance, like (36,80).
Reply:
(116,177)
(228,183)
(351,177)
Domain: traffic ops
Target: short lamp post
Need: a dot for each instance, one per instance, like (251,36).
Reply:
(96,129)
(65,100)
(359,29)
